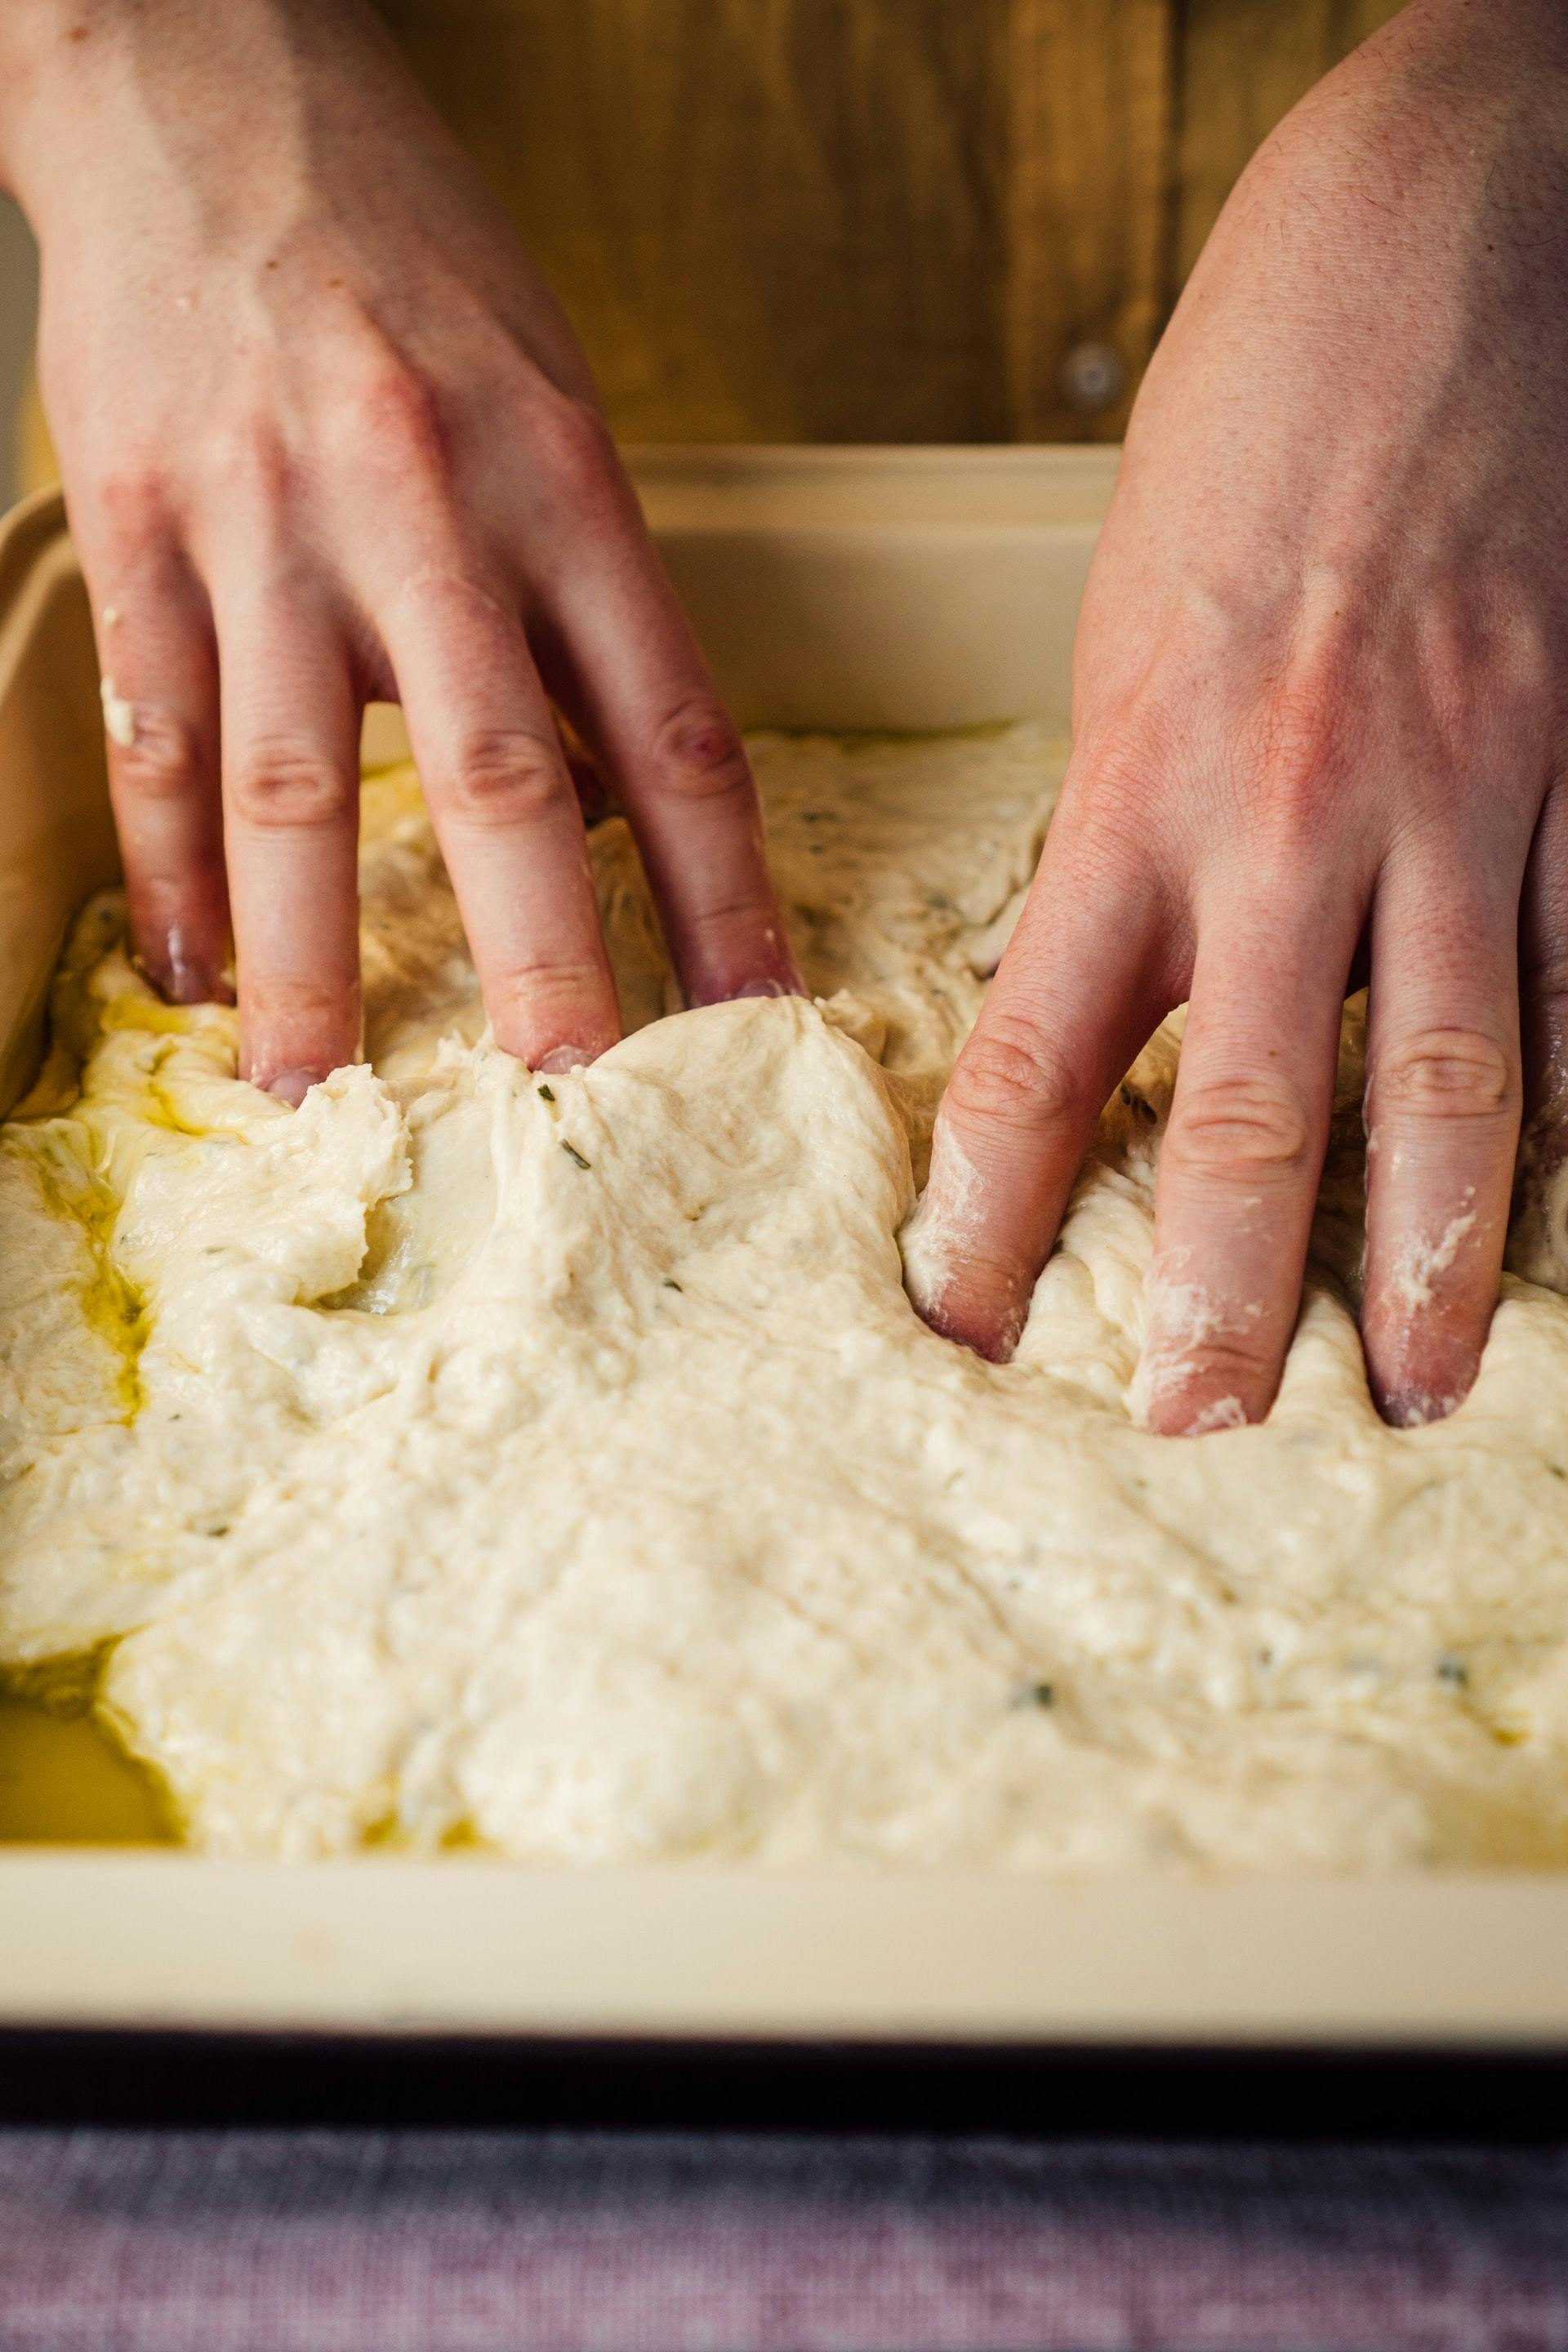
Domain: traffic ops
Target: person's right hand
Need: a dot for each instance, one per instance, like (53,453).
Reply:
(325,438)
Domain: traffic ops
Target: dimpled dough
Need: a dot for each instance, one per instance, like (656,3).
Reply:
(558,1466)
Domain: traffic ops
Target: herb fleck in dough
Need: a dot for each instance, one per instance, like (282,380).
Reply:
(560,1467)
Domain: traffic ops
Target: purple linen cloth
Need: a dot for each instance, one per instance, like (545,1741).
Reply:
(229,2240)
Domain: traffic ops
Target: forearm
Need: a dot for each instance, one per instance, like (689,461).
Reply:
(1445,80)
(1514,39)
(173,82)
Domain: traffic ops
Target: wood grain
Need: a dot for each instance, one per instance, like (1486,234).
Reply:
(862,220)
(1093,128)
(769,219)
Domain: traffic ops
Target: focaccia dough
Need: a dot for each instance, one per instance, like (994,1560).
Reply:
(558,1466)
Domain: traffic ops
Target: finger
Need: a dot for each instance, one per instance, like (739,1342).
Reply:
(1082,985)
(636,685)
(291,781)
(1442,1113)
(1241,1160)
(507,818)
(160,690)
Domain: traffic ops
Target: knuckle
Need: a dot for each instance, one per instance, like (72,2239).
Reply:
(1303,722)
(164,759)
(1102,820)
(302,1006)
(574,445)
(750,911)
(250,459)
(1224,1361)
(1115,761)
(1108,779)
(1298,754)
(1445,1074)
(1224,1123)
(395,417)
(1008,1075)
(539,985)
(289,784)
(1230,1358)
(134,499)
(697,753)
(504,776)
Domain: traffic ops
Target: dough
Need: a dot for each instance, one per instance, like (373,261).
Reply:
(559,1467)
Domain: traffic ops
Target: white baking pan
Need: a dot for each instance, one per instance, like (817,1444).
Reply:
(839,589)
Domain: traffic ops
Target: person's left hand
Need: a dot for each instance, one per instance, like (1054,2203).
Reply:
(1320,713)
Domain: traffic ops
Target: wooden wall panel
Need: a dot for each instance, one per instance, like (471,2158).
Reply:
(775,219)
(876,220)
(1092,132)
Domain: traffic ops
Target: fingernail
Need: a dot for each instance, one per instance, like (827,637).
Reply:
(563,1058)
(291,1086)
(1416,1408)
(192,979)
(780,976)
(191,983)
(181,978)
(771,986)
(777,974)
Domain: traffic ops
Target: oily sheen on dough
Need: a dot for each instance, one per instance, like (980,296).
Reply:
(559,1467)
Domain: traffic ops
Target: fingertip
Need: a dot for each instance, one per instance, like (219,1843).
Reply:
(758,963)
(980,1306)
(285,1050)
(554,1040)
(195,985)
(1425,1314)
(1177,1401)
(560,1059)
(988,1327)
(1414,1383)
(185,969)
(290,1086)
(784,979)
(1407,1408)
(1209,1362)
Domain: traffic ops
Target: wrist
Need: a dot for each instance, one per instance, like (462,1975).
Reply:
(36,36)
(172,82)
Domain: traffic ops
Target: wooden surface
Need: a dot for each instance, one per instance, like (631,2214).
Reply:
(770,219)
(1094,96)
(867,220)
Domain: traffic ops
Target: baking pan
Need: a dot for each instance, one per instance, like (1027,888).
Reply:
(839,589)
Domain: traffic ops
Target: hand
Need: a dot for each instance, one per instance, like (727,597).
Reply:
(326,438)
(1320,683)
